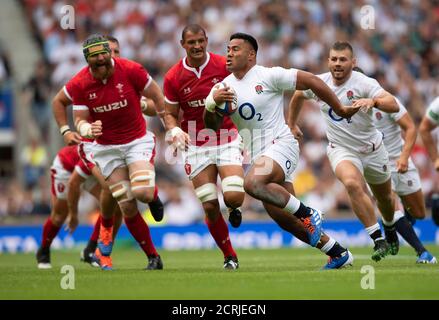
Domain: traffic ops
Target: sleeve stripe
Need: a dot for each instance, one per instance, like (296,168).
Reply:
(81,172)
(77,107)
(148,82)
(67,93)
(170,101)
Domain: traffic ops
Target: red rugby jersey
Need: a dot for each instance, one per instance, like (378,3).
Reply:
(70,158)
(116,101)
(189,87)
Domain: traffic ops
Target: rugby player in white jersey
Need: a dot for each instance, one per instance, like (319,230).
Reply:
(274,150)
(430,122)
(406,182)
(355,145)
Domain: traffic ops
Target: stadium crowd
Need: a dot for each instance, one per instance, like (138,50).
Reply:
(400,52)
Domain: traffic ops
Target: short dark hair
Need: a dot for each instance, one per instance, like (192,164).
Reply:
(342,45)
(194,28)
(358,69)
(246,37)
(112,39)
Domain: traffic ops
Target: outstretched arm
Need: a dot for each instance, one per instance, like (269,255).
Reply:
(306,80)
(385,102)
(73,195)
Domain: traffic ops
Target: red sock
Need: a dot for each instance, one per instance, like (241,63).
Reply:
(49,233)
(95,234)
(140,231)
(220,233)
(156,193)
(107,222)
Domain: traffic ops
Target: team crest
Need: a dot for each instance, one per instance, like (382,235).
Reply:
(188,168)
(378,115)
(215,80)
(350,95)
(61,187)
(259,89)
(120,87)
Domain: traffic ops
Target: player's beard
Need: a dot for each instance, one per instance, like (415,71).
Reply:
(339,74)
(102,70)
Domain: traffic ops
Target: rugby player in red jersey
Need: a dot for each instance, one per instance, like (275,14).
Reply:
(108,91)
(67,167)
(207,153)
(107,201)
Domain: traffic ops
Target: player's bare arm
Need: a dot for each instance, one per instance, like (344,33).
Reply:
(385,102)
(148,107)
(408,126)
(425,130)
(73,196)
(59,104)
(306,80)
(174,134)
(294,108)
(154,93)
(85,128)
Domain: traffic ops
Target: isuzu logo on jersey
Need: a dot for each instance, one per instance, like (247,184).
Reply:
(196,103)
(111,106)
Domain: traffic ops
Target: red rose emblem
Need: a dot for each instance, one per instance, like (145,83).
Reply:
(188,168)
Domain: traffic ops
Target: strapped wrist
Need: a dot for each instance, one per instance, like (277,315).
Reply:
(64,129)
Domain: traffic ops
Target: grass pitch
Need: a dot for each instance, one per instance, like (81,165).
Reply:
(283,274)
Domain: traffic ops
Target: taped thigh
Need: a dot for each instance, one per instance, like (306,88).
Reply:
(121,191)
(142,179)
(206,192)
(233,184)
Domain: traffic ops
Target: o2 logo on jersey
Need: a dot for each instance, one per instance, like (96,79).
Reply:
(247,112)
(288,164)
(336,118)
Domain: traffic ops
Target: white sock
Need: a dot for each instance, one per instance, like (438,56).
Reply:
(373,228)
(292,205)
(396,216)
(328,245)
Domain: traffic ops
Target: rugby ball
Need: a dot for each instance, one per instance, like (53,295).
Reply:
(226,108)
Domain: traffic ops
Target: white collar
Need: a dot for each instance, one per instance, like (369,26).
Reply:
(194,70)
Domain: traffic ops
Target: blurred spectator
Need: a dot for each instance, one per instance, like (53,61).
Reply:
(39,89)
(34,162)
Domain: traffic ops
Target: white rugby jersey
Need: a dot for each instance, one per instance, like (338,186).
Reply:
(260,115)
(433,111)
(359,132)
(386,123)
